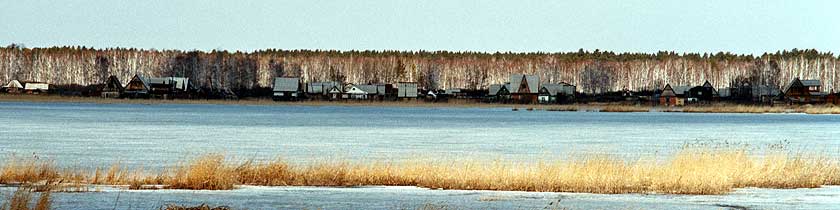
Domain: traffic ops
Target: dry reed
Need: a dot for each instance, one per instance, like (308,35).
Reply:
(20,200)
(689,171)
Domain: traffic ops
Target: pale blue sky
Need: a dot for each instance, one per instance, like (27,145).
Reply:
(618,25)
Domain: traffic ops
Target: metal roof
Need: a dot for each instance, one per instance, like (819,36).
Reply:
(369,89)
(320,87)
(764,90)
(13,84)
(564,88)
(36,86)
(286,84)
(680,90)
(493,89)
(407,89)
(811,82)
(181,83)
(532,80)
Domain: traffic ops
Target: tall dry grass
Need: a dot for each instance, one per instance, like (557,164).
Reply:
(20,200)
(689,171)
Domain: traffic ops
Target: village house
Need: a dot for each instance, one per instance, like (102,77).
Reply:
(169,87)
(556,93)
(499,93)
(764,93)
(673,96)
(705,93)
(454,93)
(322,90)
(525,88)
(113,88)
(137,87)
(287,89)
(13,86)
(407,90)
(352,91)
(36,87)
(804,91)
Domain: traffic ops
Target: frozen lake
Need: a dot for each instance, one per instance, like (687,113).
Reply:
(154,136)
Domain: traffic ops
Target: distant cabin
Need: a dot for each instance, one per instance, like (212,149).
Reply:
(36,87)
(13,86)
(137,87)
(673,96)
(556,93)
(335,92)
(113,88)
(169,87)
(320,89)
(704,93)
(455,93)
(287,88)
(499,93)
(525,88)
(407,90)
(357,92)
(804,91)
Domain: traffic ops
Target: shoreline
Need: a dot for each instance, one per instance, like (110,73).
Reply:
(454,103)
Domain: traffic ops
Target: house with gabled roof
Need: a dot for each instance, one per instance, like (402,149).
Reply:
(804,91)
(673,96)
(287,88)
(705,93)
(556,93)
(524,88)
(113,88)
(137,87)
(359,92)
(13,86)
(499,93)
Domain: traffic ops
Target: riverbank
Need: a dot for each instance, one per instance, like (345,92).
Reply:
(594,107)
(695,171)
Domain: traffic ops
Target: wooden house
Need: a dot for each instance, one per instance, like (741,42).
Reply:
(804,91)
(137,87)
(673,96)
(36,87)
(556,93)
(705,93)
(407,90)
(321,89)
(525,88)
(287,89)
(113,88)
(169,87)
(13,86)
(499,93)
(334,93)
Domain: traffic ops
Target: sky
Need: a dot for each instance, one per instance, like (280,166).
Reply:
(743,27)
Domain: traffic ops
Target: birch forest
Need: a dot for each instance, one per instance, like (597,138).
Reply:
(592,71)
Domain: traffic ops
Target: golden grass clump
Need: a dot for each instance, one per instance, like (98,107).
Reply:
(20,200)
(19,170)
(691,170)
(204,173)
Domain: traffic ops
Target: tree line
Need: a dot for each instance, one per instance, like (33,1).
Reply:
(592,71)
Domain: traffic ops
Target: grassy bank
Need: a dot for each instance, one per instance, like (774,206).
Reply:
(689,171)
